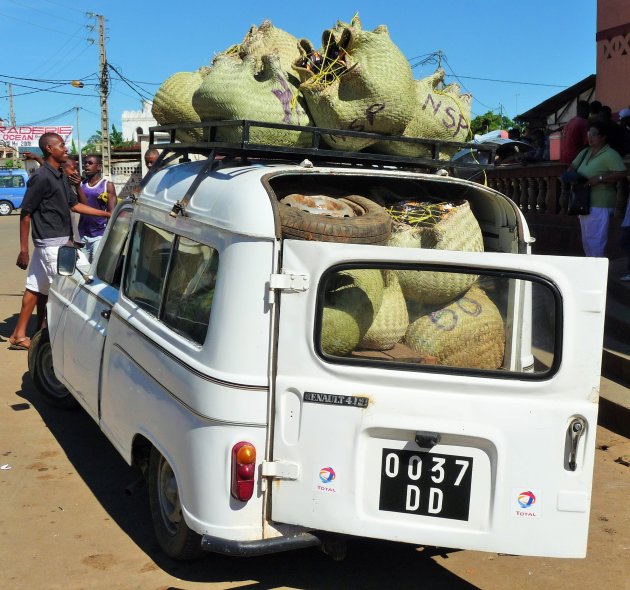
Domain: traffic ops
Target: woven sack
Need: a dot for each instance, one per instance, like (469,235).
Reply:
(468,333)
(438,114)
(373,92)
(265,39)
(172,103)
(391,321)
(352,300)
(457,229)
(234,90)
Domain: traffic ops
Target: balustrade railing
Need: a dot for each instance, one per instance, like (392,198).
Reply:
(537,188)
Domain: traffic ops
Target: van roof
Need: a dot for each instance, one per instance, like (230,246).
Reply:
(241,198)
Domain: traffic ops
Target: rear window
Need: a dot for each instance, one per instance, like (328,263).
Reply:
(12,181)
(439,320)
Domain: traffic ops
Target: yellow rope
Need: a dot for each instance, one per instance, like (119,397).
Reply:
(414,213)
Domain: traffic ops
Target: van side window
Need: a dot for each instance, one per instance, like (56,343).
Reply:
(149,253)
(110,261)
(190,289)
(173,279)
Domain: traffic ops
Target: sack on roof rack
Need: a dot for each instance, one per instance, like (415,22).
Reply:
(173,103)
(438,114)
(266,39)
(364,83)
(233,90)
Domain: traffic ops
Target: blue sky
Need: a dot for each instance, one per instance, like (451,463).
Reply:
(543,45)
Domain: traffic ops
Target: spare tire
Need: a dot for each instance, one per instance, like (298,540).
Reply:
(370,224)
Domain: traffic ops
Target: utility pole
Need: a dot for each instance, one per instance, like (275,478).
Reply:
(104,91)
(11,113)
(79,142)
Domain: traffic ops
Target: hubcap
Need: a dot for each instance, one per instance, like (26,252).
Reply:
(168,495)
(319,205)
(5,209)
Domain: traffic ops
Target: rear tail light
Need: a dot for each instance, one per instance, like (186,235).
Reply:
(243,470)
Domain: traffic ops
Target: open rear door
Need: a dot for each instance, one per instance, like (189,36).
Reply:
(475,430)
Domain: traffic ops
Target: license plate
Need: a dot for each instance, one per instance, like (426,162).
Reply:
(419,482)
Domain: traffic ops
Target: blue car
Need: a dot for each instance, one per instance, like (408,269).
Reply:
(12,189)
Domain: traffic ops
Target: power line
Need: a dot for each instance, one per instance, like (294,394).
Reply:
(36,90)
(46,81)
(53,56)
(35,24)
(37,9)
(514,82)
(49,119)
(142,93)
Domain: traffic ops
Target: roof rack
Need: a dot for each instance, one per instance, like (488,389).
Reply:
(318,151)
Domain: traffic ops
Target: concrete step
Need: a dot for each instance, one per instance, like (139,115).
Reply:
(614,407)
(616,353)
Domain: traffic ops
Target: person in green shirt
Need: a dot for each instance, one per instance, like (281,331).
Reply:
(603,167)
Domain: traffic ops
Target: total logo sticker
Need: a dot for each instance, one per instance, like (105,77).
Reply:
(326,481)
(525,503)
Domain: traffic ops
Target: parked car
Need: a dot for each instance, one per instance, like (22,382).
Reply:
(284,374)
(12,189)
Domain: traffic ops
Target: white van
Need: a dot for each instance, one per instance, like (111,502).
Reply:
(285,378)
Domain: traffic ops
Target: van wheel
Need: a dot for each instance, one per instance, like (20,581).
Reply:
(5,208)
(175,538)
(351,219)
(40,366)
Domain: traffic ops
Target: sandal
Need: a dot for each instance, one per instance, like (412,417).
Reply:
(20,344)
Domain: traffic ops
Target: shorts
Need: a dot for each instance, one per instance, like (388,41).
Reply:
(91,246)
(42,269)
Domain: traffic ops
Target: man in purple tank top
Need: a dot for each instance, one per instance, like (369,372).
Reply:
(97,192)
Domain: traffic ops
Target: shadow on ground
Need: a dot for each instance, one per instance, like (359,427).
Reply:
(369,563)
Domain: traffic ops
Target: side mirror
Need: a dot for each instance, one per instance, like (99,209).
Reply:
(66,261)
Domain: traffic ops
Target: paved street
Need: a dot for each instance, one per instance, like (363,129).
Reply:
(66,522)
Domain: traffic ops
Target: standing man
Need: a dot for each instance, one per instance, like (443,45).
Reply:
(575,134)
(98,193)
(47,204)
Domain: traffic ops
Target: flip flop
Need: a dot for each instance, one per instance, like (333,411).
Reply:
(19,344)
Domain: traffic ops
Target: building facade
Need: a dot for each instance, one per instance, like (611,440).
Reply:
(135,123)
(613,53)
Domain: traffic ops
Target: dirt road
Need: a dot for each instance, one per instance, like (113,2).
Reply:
(66,522)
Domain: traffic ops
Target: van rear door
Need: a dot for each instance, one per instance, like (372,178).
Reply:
(471,426)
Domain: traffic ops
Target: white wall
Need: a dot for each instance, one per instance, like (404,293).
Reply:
(131,120)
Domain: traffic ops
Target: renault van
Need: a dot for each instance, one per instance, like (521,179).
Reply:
(285,372)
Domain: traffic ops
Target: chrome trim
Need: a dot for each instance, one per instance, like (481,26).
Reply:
(184,404)
(186,366)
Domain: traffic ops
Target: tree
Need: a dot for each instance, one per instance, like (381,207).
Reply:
(95,142)
(93,145)
(490,122)
(116,137)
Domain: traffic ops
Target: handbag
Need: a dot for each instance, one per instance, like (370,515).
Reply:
(579,200)
(580,195)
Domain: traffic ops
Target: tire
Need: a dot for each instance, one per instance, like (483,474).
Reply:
(40,366)
(5,208)
(172,533)
(372,224)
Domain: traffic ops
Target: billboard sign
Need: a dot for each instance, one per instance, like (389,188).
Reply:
(27,136)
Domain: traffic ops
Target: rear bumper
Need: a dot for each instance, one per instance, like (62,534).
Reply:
(259,546)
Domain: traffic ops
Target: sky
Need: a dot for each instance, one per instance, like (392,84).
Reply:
(509,55)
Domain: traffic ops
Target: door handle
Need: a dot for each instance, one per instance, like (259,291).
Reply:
(575,432)
(106,313)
